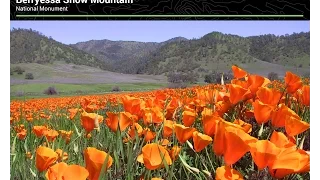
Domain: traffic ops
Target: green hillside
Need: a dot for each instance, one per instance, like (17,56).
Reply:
(27,46)
(217,52)
(212,52)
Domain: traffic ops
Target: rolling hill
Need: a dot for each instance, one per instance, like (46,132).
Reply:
(29,46)
(212,52)
(124,56)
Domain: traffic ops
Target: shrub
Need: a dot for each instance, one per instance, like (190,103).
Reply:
(216,77)
(50,91)
(29,76)
(18,70)
(115,89)
(19,93)
(79,91)
(273,76)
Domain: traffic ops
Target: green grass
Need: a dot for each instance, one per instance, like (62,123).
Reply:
(62,73)
(36,90)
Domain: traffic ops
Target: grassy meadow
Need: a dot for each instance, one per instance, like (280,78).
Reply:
(37,90)
(249,128)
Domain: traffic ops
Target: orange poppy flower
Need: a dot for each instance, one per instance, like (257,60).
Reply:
(148,135)
(174,152)
(238,72)
(29,117)
(209,124)
(62,156)
(243,84)
(90,121)
(134,130)
(118,120)
(236,139)
(131,105)
(200,141)
(295,126)
(94,160)
(256,81)
(72,112)
(290,161)
(207,112)
(164,142)
(222,107)
(19,128)
(237,93)
(227,173)
(51,134)
(171,107)
(281,140)
(280,115)
(45,157)
(66,172)
(263,153)
(262,112)
(22,134)
(246,126)
(268,96)
(183,133)
(153,115)
(153,156)
(39,130)
(167,128)
(293,82)
(188,117)
(228,137)
(305,99)
(66,135)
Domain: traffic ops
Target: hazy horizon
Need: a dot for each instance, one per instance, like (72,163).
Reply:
(70,32)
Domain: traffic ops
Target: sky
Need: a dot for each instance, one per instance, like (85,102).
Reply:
(70,32)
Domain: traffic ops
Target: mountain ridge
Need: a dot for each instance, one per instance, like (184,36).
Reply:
(212,52)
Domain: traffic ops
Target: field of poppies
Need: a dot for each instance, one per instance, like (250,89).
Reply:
(252,128)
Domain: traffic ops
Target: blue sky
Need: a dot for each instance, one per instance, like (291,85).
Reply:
(70,32)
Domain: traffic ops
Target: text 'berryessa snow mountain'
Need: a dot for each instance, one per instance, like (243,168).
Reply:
(37,2)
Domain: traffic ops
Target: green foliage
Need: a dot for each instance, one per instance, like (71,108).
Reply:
(18,70)
(273,76)
(115,89)
(50,91)
(182,77)
(29,76)
(215,77)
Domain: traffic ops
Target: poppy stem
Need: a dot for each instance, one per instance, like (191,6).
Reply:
(210,160)
(271,131)
(282,95)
